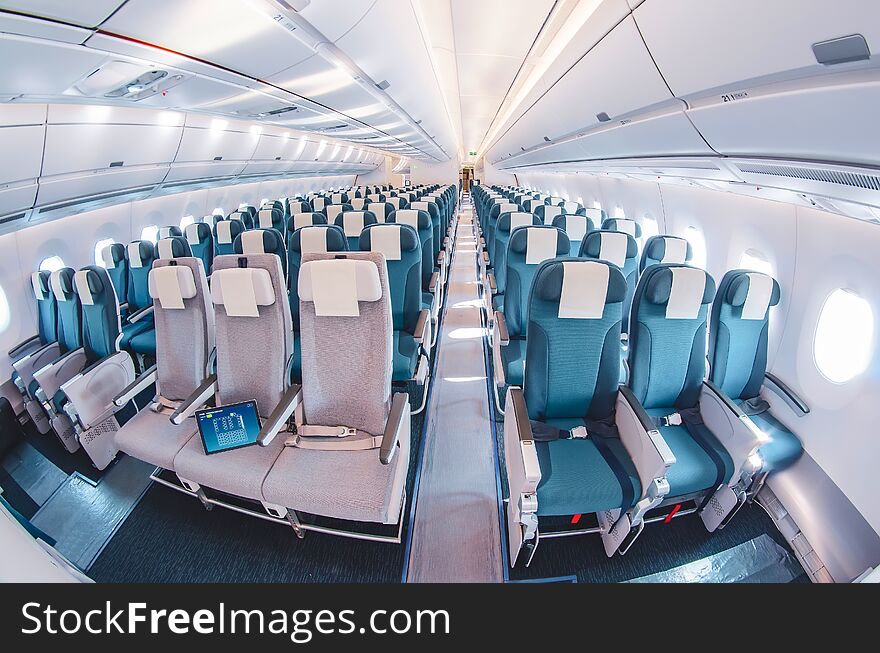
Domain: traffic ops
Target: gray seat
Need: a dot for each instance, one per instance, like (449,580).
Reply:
(181,305)
(346,322)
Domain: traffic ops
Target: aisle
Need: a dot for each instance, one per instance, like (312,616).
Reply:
(456,532)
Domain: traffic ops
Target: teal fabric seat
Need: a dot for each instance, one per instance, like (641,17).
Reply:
(116,264)
(665,249)
(144,342)
(201,242)
(421,222)
(507,223)
(577,227)
(622,250)
(624,225)
(141,254)
(514,361)
(667,362)
(353,223)
(437,228)
(571,381)
(738,343)
(405,356)
(499,208)
(225,233)
(263,241)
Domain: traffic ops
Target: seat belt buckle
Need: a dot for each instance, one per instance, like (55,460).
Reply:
(579,433)
(346,431)
(672,420)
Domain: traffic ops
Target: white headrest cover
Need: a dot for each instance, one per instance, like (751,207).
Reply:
(236,216)
(224,232)
(55,284)
(612,247)
(107,257)
(353,223)
(409,217)
(241,290)
(265,218)
(301,220)
(675,250)
(164,232)
(421,206)
(507,207)
(584,290)
(686,294)
(594,213)
(520,219)
(394,201)
(319,203)
(358,203)
(551,212)
(540,245)
(38,288)
(626,226)
(134,255)
(332,211)
(336,198)
(335,286)
(377,209)
(313,240)
(164,248)
(758,298)
(171,284)
(386,241)
(252,242)
(81,283)
(192,234)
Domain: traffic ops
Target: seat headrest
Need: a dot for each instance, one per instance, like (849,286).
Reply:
(391,240)
(306,219)
(507,222)
(576,226)
(669,249)
(318,203)
(40,284)
(354,222)
(335,286)
(197,233)
(259,241)
(681,288)
(333,210)
(571,207)
(268,217)
(413,217)
(754,291)
(242,290)
(169,232)
(317,239)
(171,284)
(141,254)
(61,282)
(505,207)
(113,254)
(612,246)
(173,247)
(625,225)
(537,243)
(581,287)
(90,283)
(228,230)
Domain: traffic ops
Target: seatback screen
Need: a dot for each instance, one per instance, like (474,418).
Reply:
(229,427)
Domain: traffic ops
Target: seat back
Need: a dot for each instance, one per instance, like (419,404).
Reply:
(353,223)
(667,335)
(298,206)
(332,210)
(506,224)
(397,202)
(47,307)
(573,349)
(347,331)
(576,227)
(319,204)
(300,220)
(116,263)
(497,208)
(402,249)
(141,254)
(250,303)
(596,216)
(528,248)
(172,247)
(358,203)
(625,225)
(380,209)
(665,249)
(548,213)
(315,239)
(438,222)
(263,241)
(271,218)
(421,222)
(181,305)
(339,198)
(620,249)
(738,328)
(69,309)
(101,327)
(225,233)
(201,242)
(573,208)
(168,232)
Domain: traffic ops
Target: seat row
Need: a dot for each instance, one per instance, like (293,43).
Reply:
(677,434)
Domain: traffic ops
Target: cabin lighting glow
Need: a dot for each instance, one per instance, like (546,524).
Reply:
(218,124)
(695,237)
(99,251)
(256,130)
(649,228)
(185,221)
(218,211)
(752,259)
(150,232)
(51,264)
(844,336)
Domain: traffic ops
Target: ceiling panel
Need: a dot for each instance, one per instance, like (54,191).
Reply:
(41,67)
(89,14)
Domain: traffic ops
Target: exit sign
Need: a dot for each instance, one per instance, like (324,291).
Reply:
(472,153)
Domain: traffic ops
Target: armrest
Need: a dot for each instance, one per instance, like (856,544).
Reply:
(788,395)
(398,420)
(134,388)
(643,442)
(421,334)
(493,286)
(501,329)
(195,401)
(137,316)
(724,399)
(276,421)
(90,392)
(123,307)
(736,432)
(52,376)
(27,360)
(521,456)
(24,347)
(434,283)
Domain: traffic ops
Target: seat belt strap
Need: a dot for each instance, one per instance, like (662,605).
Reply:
(333,438)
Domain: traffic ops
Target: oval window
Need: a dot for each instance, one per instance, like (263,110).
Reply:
(698,244)
(752,259)
(5,315)
(51,264)
(99,250)
(185,221)
(150,232)
(649,228)
(844,334)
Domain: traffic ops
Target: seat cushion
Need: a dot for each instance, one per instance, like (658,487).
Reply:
(695,469)
(784,447)
(129,331)
(406,356)
(151,437)
(514,356)
(144,343)
(239,472)
(340,484)
(577,478)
